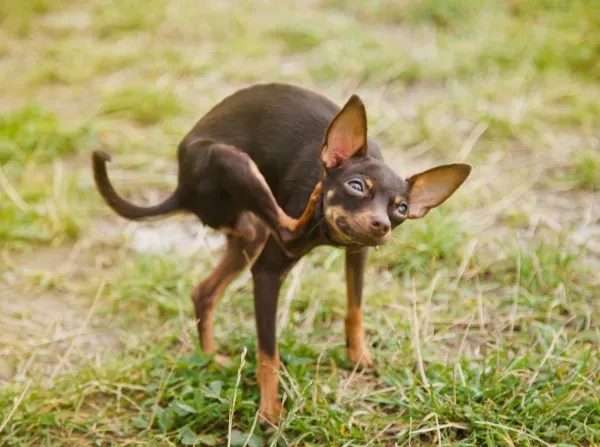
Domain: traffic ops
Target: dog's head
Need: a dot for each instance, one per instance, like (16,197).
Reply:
(363,198)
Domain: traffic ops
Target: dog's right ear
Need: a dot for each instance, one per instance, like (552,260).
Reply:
(346,136)
(431,188)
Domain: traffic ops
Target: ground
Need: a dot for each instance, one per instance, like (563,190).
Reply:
(483,317)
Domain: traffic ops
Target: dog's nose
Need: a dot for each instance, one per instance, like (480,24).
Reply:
(380,225)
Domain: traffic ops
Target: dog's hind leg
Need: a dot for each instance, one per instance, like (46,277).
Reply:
(239,254)
(241,178)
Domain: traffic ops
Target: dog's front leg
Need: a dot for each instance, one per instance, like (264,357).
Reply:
(356,260)
(268,273)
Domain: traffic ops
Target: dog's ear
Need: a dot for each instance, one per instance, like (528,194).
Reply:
(431,188)
(346,136)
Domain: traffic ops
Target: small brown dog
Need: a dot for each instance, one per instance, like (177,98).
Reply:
(319,165)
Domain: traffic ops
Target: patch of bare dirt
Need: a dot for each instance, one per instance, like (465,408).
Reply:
(44,331)
(185,236)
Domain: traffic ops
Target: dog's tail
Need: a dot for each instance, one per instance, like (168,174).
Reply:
(121,206)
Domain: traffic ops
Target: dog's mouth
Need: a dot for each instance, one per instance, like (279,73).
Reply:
(347,232)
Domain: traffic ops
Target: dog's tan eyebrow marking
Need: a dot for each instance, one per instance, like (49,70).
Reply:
(397,200)
(330,194)
(369,183)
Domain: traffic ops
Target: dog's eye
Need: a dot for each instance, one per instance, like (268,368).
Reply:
(356,185)
(402,209)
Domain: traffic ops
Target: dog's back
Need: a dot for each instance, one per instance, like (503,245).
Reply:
(281,127)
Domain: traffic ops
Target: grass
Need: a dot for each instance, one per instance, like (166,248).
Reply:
(498,287)
(40,204)
(142,104)
(118,18)
(583,171)
(19,17)
(61,63)
(33,132)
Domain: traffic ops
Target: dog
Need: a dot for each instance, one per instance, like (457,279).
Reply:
(307,158)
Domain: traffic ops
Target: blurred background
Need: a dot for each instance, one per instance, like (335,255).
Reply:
(498,288)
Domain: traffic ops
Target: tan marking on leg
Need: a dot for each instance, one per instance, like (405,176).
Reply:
(357,348)
(355,334)
(206,296)
(256,172)
(309,211)
(286,222)
(294,228)
(268,383)
(239,254)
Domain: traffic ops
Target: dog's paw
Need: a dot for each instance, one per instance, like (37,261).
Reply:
(315,197)
(362,358)
(271,412)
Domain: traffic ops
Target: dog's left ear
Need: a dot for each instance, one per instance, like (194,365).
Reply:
(431,188)
(346,136)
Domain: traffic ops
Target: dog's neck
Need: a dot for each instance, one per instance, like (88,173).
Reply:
(323,226)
